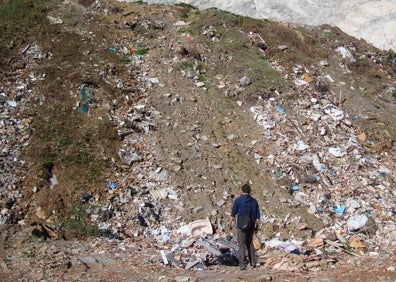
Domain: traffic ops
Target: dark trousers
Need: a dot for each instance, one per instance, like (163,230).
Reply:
(245,243)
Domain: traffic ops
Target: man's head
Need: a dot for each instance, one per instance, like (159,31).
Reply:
(246,188)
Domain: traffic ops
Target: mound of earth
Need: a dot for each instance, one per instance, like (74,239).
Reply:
(123,122)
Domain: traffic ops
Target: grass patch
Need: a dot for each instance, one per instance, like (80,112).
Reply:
(185,65)
(187,6)
(391,56)
(125,59)
(19,16)
(141,51)
(71,140)
(246,60)
(77,147)
(27,254)
(238,54)
(80,224)
(185,30)
(185,10)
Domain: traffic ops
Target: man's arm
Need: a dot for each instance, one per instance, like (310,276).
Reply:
(257,223)
(231,221)
(234,212)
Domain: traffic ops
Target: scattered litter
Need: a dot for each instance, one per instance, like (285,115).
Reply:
(54,20)
(53,181)
(112,186)
(337,152)
(87,97)
(164,258)
(286,246)
(301,146)
(340,209)
(280,110)
(200,84)
(129,157)
(85,197)
(197,228)
(295,188)
(310,163)
(12,103)
(346,54)
(43,231)
(324,63)
(158,194)
(181,23)
(191,264)
(282,47)
(336,114)
(356,222)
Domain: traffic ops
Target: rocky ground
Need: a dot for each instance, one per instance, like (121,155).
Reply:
(125,124)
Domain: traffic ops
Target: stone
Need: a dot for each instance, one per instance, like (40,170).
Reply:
(244,81)
(198,209)
(282,47)
(130,157)
(56,21)
(220,203)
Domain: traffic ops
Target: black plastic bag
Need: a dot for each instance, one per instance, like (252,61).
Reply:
(228,259)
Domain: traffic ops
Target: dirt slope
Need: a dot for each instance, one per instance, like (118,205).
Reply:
(167,85)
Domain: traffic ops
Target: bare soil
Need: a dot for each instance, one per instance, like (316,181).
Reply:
(81,149)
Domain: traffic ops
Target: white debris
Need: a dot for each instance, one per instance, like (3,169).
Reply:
(346,54)
(356,222)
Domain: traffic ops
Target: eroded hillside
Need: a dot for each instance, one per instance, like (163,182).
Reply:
(122,122)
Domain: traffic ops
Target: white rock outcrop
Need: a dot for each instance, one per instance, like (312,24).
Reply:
(371,20)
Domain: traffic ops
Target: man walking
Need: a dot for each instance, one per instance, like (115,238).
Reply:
(247,210)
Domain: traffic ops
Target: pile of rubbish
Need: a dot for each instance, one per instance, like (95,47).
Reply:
(343,176)
(339,173)
(16,92)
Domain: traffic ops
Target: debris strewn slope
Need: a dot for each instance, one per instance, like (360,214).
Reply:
(124,122)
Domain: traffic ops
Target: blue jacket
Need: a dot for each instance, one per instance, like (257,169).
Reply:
(241,207)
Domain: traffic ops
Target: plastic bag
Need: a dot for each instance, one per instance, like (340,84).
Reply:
(228,259)
(256,242)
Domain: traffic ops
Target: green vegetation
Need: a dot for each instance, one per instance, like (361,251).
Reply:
(391,55)
(27,254)
(79,145)
(80,223)
(125,59)
(193,68)
(184,30)
(236,48)
(141,51)
(185,10)
(18,16)
(185,65)
(68,138)
(247,60)
(187,6)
